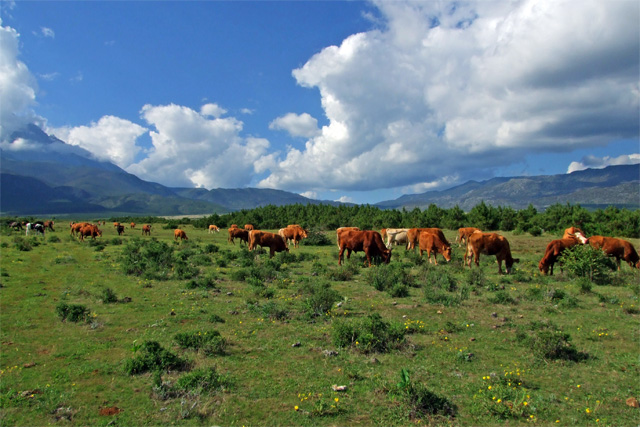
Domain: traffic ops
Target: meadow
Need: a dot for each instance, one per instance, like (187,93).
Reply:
(144,330)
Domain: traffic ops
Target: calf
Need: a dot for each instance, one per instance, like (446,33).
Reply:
(238,233)
(179,234)
(489,244)
(273,241)
(213,228)
(431,242)
(368,241)
(293,233)
(552,253)
(464,233)
(617,248)
(413,235)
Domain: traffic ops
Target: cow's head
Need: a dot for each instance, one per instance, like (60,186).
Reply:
(446,253)
(509,263)
(543,266)
(386,256)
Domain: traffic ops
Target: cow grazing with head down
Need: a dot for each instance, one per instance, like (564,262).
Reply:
(576,234)
(89,230)
(75,227)
(146,229)
(396,236)
(249,227)
(38,227)
(273,241)
(49,225)
(554,249)
(179,234)
(413,236)
(431,243)
(618,248)
(16,226)
(368,241)
(464,233)
(238,233)
(342,229)
(213,228)
(489,244)
(294,233)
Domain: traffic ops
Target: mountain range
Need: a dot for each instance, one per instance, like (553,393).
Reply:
(40,174)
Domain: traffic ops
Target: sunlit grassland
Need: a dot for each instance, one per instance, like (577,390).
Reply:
(54,372)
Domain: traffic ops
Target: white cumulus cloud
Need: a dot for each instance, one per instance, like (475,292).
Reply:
(111,138)
(592,162)
(296,124)
(449,91)
(191,148)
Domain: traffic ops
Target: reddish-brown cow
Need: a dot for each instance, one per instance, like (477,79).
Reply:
(89,230)
(489,244)
(75,227)
(238,233)
(274,242)
(249,227)
(133,225)
(618,248)
(413,235)
(293,232)
(368,241)
(342,229)
(464,233)
(213,228)
(552,253)
(576,234)
(146,229)
(431,243)
(179,234)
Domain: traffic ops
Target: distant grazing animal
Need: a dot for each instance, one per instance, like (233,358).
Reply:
(413,234)
(179,234)
(120,229)
(49,225)
(294,233)
(146,229)
(75,227)
(16,225)
(576,234)
(213,228)
(89,230)
(248,227)
(340,230)
(464,233)
(238,233)
(273,241)
(397,236)
(133,225)
(368,241)
(618,248)
(116,224)
(552,253)
(233,226)
(35,226)
(431,243)
(489,244)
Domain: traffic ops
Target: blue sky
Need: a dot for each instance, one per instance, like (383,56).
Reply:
(354,101)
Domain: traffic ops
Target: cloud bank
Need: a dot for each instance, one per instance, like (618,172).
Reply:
(592,162)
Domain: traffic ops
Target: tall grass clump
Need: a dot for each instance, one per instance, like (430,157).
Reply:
(369,335)
(318,298)
(209,342)
(150,259)
(441,287)
(391,278)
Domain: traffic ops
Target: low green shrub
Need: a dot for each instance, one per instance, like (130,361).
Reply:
(270,310)
(72,312)
(502,297)
(153,357)
(206,282)
(316,238)
(108,296)
(420,400)
(214,318)
(318,298)
(201,381)
(391,278)
(548,341)
(585,261)
(210,342)
(371,334)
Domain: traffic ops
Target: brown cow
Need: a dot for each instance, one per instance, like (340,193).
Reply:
(133,225)
(249,227)
(431,242)
(213,228)
(618,248)
(464,233)
(120,229)
(49,225)
(293,232)
(116,224)
(238,233)
(89,230)
(552,253)
(274,242)
(368,241)
(489,244)
(179,234)
(340,230)
(16,225)
(75,227)
(146,229)
(576,234)
(413,235)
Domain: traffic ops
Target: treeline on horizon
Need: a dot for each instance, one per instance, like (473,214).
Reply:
(611,221)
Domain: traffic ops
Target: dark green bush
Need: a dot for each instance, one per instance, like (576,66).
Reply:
(501,297)
(150,259)
(422,401)
(152,358)
(319,298)
(72,312)
(391,278)
(371,334)
(316,238)
(585,261)
(108,296)
(207,282)
(547,341)
(214,318)
(201,381)
(270,310)
(210,342)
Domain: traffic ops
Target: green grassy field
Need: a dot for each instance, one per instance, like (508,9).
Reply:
(471,349)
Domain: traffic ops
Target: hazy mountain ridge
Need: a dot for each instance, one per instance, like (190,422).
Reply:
(41,174)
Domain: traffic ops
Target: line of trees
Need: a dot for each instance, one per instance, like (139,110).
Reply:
(611,221)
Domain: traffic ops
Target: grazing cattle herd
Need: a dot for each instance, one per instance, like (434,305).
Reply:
(378,246)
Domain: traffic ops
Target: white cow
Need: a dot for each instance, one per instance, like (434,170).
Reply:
(396,236)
